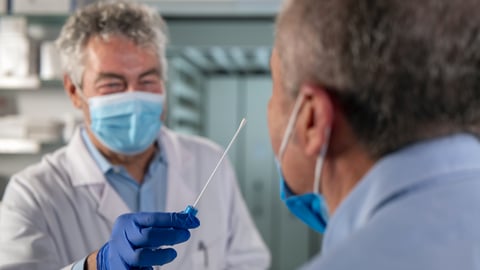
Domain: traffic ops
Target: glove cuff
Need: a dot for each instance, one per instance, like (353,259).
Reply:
(102,257)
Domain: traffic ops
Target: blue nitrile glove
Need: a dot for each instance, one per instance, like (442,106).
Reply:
(136,239)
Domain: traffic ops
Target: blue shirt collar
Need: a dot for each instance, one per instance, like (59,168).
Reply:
(102,163)
(396,173)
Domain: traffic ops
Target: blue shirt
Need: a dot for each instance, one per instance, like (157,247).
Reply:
(418,208)
(150,196)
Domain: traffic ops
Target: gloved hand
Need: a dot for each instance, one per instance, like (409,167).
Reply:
(136,239)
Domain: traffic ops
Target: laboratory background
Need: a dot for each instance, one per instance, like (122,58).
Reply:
(218,73)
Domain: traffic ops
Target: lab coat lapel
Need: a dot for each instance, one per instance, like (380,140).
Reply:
(180,171)
(85,174)
(111,205)
(82,168)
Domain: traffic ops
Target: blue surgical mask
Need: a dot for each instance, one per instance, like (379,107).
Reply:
(311,207)
(128,122)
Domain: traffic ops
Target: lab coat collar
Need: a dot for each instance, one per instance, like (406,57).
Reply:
(103,164)
(84,169)
(397,173)
(86,173)
(180,168)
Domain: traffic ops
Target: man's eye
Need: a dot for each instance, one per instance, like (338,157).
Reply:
(114,86)
(111,87)
(148,82)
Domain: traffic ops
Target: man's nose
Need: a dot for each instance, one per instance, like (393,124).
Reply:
(133,86)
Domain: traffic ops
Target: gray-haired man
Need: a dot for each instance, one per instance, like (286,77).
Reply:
(374,117)
(123,161)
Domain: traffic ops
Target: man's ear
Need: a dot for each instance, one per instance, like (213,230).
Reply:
(316,117)
(71,91)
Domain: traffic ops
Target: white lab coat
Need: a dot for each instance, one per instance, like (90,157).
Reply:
(60,210)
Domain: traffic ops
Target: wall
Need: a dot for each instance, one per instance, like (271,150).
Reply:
(229,98)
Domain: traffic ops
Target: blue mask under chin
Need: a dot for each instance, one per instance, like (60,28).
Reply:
(309,208)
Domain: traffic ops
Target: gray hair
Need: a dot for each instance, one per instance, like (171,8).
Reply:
(401,70)
(136,22)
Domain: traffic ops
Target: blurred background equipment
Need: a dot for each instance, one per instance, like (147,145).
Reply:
(50,65)
(17,57)
(3,7)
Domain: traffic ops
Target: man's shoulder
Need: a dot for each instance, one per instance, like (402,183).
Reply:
(48,171)
(40,186)
(413,232)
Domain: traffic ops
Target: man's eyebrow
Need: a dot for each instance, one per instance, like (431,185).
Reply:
(153,71)
(108,75)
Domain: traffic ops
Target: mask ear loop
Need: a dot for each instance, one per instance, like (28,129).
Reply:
(291,123)
(320,160)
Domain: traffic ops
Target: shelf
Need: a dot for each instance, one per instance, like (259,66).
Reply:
(18,83)
(29,84)
(19,146)
(13,146)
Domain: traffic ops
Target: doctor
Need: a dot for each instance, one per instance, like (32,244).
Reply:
(374,118)
(111,197)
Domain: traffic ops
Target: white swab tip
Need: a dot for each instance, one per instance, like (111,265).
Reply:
(243,123)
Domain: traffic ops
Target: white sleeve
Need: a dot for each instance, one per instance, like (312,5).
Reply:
(24,239)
